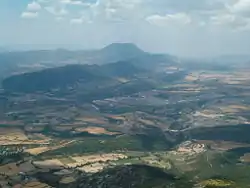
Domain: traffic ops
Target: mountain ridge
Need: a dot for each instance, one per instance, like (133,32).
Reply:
(67,76)
(113,52)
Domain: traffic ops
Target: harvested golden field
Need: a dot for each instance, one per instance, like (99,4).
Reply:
(96,131)
(81,160)
(116,117)
(94,120)
(48,164)
(36,151)
(35,184)
(238,77)
(123,80)
(233,108)
(93,168)
(67,180)
(146,121)
(207,114)
(17,137)
(15,134)
(97,161)
(154,161)
(191,78)
(10,169)
(245,158)
(67,160)
(239,107)
(88,163)
(39,150)
(217,183)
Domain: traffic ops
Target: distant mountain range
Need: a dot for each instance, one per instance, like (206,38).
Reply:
(68,76)
(112,53)
(45,69)
(20,62)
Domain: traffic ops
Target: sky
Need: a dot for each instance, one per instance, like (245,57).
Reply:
(190,28)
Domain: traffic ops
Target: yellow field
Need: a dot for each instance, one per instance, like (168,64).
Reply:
(17,137)
(146,121)
(67,180)
(12,134)
(97,158)
(87,163)
(49,163)
(217,183)
(239,77)
(233,108)
(95,130)
(122,80)
(39,150)
(245,158)
(191,78)
(122,118)
(238,107)
(36,151)
(35,184)
(93,168)
(10,169)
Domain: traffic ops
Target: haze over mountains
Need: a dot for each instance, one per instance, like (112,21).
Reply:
(119,115)
(124,94)
(116,61)
(18,62)
(125,57)
(113,53)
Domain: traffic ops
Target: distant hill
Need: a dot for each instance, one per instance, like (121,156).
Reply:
(109,54)
(112,53)
(119,52)
(121,69)
(49,78)
(116,60)
(68,76)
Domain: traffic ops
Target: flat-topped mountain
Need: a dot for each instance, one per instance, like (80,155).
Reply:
(111,53)
(121,51)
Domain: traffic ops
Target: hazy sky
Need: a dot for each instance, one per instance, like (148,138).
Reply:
(181,27)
